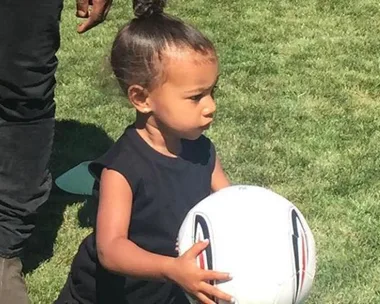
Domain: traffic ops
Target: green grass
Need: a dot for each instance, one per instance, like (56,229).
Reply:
(298,110)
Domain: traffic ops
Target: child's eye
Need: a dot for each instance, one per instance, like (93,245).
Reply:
(196,97)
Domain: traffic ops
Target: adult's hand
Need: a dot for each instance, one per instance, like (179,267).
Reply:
(94,10)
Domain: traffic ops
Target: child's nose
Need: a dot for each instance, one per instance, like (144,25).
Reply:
(210,107)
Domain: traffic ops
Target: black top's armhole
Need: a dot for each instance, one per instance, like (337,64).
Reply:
(114,160)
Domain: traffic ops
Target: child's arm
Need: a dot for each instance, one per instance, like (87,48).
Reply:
(118,254)
(219,179)
(115,251)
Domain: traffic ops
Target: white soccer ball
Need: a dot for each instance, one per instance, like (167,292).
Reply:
(259,237)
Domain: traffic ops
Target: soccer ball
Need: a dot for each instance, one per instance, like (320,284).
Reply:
(259,237)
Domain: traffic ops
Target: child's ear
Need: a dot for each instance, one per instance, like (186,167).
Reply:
(138,96)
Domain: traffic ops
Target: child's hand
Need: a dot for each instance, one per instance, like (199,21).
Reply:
(194,280)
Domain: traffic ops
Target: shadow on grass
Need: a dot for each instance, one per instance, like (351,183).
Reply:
(74,143)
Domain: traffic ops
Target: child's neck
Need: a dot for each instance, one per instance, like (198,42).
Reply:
(165,144)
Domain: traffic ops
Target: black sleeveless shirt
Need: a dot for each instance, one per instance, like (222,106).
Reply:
(164,190)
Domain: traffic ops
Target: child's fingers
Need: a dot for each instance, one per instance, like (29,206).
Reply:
(211,275)
(196,249)
(213,291)
(204,299)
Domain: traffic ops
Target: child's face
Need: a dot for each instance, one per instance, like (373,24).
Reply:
(183,106)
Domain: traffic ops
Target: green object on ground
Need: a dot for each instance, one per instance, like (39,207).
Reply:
(77,180)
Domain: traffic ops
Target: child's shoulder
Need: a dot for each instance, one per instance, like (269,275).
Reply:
(121,155)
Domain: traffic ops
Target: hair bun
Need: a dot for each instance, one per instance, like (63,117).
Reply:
(146,8)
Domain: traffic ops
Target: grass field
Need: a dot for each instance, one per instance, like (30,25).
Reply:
(298,112)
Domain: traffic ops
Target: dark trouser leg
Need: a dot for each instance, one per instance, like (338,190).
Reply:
(29,35)
(24,179)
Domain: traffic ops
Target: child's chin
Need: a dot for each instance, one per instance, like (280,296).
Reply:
(192,136)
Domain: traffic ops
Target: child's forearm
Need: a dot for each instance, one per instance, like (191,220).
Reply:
(125,257)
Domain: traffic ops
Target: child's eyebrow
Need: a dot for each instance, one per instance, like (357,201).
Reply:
(201,89)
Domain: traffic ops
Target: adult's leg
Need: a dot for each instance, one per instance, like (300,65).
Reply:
(29,35)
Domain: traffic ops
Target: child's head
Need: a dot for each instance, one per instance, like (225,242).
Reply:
(167,68)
